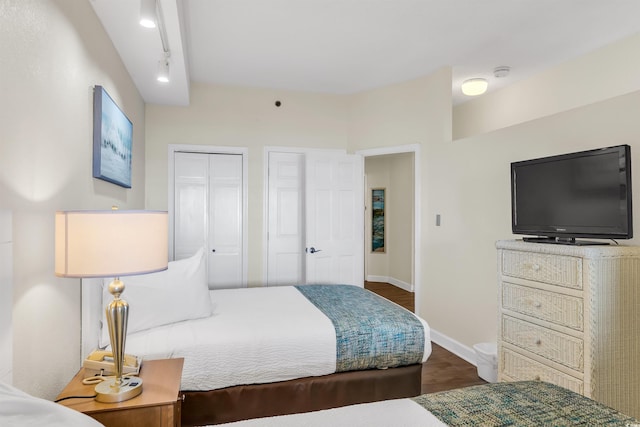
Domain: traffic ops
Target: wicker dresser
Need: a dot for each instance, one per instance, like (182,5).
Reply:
(570,315)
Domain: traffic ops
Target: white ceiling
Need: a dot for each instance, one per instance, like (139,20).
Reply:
(347,46)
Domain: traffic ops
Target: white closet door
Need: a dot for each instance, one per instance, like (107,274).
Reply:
(285,247)
(208,213)
(225,215)
(191,198)
(334,219)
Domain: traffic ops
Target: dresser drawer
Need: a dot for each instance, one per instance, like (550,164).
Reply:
(563,310)
(521,368)
(553,269)
(552,345)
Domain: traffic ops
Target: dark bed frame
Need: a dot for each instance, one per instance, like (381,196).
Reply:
(300,395)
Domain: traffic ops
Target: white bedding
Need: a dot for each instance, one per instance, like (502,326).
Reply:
(19,409)
(399,412)
(255,335)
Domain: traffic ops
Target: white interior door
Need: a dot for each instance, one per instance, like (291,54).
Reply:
(285,243)
(225,221)
(191,200)
(208,212)
(334,219)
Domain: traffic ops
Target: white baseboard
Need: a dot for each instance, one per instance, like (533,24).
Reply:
(459,349)
(395,282)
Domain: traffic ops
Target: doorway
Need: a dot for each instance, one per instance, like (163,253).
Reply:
(397,171)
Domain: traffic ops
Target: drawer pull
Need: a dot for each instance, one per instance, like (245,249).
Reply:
(537,378)
(538,341)
(537,304)
(536,267)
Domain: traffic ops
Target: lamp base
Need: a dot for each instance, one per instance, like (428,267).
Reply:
(109,392)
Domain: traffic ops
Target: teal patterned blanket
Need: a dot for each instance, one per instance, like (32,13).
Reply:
(525,403)
(371,332)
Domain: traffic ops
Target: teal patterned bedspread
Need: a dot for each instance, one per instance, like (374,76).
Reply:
(524,403)
(371,332)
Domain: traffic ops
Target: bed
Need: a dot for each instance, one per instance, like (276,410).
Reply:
(526,403)
(19,409)
(257,352)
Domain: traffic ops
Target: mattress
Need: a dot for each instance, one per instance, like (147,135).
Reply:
(255,336)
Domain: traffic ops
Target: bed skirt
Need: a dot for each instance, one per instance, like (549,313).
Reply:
(299,395)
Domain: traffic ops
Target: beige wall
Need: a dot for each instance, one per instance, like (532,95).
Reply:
(406,113)
(413,112)
(53,53)
(475,203)
(599,75)
(473,190)
(242,117)
(401,201)
(394,173)
(466,180)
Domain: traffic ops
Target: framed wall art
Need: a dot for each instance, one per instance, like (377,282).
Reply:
(377,219)
(112,140)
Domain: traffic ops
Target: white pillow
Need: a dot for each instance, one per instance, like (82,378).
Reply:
(178,293)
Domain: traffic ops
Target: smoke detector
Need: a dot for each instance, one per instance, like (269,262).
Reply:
(501,71)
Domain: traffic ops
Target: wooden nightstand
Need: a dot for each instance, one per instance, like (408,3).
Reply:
(158,405)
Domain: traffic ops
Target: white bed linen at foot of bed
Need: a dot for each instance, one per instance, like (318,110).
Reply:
(399,412)
(277,335)
(19,409)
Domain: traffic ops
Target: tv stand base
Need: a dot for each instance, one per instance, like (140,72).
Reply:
(562,241)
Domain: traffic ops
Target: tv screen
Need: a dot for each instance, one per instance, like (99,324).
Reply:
(569,196)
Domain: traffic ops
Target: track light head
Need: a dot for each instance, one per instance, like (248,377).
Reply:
(148,15)
(163,70)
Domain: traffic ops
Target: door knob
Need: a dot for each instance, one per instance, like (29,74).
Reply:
(314,250)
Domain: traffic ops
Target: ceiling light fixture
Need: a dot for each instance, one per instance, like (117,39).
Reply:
(148,16)
(474,87)
(163,70)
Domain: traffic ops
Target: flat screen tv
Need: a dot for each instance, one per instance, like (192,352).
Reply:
(562,198)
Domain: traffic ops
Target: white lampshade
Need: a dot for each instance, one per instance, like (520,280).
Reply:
(474,87)
(110,243)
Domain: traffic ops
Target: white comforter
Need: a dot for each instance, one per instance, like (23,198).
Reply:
(399,412)
(256,335)
(19,409)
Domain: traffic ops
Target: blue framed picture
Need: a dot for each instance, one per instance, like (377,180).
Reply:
(112,140)
(377,220)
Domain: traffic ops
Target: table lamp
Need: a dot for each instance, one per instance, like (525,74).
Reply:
(112,243)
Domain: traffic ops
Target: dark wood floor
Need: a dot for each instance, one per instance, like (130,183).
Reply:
(443,370)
